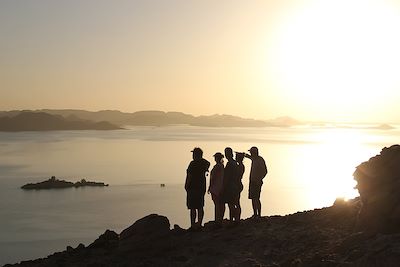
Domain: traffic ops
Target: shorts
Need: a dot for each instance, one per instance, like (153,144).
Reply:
(195,200)
(254,190)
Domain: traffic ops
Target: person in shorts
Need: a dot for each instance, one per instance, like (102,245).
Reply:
(257,173)
(195,186)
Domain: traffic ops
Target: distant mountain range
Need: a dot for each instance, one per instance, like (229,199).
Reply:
(152,118)
(160,118)
(41,121)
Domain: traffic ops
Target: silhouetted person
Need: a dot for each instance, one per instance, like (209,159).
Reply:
(216,184)
(231,190)
(241,169)
(195,186)
(257,172)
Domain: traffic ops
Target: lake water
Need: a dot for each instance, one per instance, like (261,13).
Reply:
(308,168)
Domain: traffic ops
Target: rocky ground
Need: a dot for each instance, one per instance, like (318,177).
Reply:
(360,232)
(323,237)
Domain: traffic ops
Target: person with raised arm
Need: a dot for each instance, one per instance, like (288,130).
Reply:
(257,173)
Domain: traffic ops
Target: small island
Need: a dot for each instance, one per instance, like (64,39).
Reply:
(54,183)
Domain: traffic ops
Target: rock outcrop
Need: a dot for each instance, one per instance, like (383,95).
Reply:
(150,225)
(378,182)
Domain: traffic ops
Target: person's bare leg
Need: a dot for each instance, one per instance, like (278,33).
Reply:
(192,217)
(259,207)
(254,204)
(238,212)
(201,216)
(222,214)
(232,211)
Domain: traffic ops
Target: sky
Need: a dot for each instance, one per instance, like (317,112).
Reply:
(312,60)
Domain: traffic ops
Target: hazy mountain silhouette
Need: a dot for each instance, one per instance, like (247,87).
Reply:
(227,121)
(40,121)
(160,118)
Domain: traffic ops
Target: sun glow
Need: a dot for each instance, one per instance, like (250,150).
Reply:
(338,56)
(327,167)
(342,149)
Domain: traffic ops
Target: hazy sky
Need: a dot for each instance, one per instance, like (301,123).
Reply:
(317,60)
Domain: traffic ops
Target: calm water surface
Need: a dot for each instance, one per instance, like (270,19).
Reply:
(308,168)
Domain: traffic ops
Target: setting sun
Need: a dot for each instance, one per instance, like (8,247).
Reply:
(339,56)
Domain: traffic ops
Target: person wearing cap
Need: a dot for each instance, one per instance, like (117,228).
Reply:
(257,172)
(231,186)
(215,188)
(195,186)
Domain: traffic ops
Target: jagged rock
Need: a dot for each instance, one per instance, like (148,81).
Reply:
(107,240)
(378,182)
(80,246)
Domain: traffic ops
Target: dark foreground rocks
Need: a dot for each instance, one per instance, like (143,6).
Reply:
(378,182)
(323,237)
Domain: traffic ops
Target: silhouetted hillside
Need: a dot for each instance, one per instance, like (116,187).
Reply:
(40,121)
(112,116)
(160,118)
(227,121)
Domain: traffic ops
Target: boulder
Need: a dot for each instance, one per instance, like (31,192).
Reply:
(150,225)
(378,182)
